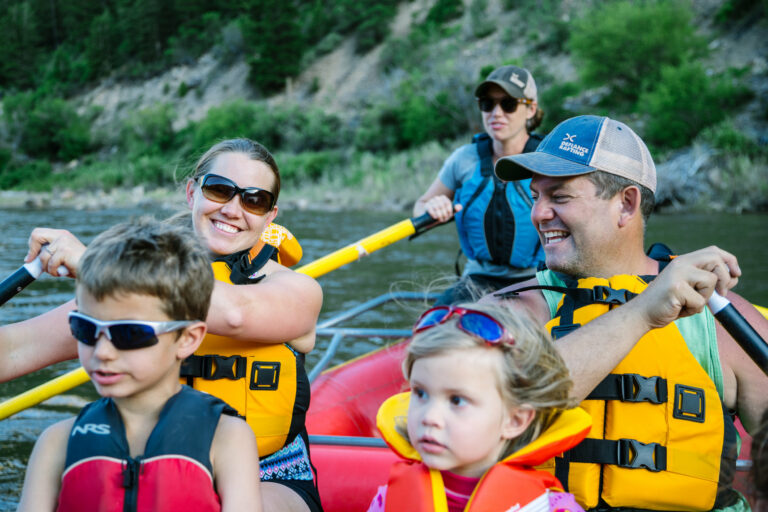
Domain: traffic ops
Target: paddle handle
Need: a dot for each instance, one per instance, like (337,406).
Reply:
(738,327)
(422,221)
(22,277)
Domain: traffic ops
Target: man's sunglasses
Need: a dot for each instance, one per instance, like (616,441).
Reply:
(124,334)
(221,190)
(475,323)
(508,103)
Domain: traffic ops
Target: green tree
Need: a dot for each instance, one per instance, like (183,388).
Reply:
(19,53)
(276,41)
(625,44)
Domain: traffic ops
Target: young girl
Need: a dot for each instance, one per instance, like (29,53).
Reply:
(488,401)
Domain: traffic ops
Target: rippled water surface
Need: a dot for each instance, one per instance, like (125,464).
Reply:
(402,266)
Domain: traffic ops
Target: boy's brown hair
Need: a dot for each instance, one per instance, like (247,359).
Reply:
(148,257)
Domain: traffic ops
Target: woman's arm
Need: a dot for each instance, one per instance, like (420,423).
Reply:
(46,464)
(282,307)
(235,460)
(36,343)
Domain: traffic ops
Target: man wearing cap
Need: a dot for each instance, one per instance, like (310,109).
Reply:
(499,242)
(657,374)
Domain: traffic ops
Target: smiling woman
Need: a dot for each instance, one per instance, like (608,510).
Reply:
(261,320)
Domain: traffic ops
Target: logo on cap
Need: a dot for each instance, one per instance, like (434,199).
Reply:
(515,79)
(568,144)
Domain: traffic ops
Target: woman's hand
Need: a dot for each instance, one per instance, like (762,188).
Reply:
(56,248)
(441,208)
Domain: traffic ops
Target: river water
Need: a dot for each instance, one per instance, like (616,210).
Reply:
(417,265)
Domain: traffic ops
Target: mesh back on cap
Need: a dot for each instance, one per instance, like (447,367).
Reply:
(621,152)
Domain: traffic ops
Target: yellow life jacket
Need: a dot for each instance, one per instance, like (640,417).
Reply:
(511,482)
(661,438)
(266,383)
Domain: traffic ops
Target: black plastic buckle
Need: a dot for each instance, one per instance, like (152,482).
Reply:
(633,454)
(232,367)
(636,388)
(608,295)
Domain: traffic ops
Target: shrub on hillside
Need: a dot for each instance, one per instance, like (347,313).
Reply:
(552,101)
(625,44)
(480,24)
(686,100)
(54,130)
(309,165)
(374,26)
(149,130)
(412,118)
(31,175)
(727,138)
(288,128)
(409,52)
(445,10)
(238,118)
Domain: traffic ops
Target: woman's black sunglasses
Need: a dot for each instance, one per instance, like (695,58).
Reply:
(508,103)
(221,190)
(124,334)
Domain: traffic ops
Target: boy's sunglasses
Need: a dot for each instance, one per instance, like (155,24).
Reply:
(124,334)
(508,103)
(220,190)
(475,323)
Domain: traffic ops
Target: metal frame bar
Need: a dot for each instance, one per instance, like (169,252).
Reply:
(326,327)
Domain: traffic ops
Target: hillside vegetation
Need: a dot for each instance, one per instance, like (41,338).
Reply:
(360,96)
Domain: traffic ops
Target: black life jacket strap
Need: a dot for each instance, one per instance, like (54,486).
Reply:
(625,453)
(583,296)
(214,367)
(630,387)
(242,267)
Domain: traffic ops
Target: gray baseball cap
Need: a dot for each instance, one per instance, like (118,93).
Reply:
(517,82)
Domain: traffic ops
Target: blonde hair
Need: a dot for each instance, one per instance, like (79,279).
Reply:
(530,373)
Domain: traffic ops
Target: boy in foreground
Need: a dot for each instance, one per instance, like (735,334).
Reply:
(149,443)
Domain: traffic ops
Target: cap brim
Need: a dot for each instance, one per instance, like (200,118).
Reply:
(525,165)
(507,87)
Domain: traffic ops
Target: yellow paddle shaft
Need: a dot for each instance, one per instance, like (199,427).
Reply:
(317,268)
(357,250)
(43,392)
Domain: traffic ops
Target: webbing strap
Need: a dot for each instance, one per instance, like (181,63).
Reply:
(630,387)
(632,454)
(625,453)
(214,367)
(583,296)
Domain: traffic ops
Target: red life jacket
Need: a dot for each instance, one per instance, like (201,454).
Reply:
(513,481)
(175,472)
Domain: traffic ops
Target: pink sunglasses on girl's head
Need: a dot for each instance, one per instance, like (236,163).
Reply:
(475,323)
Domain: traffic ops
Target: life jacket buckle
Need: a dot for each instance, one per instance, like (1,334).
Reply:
(633,454)
(636,388)
(608,295)
(232,367)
